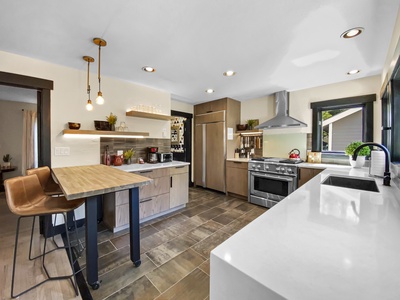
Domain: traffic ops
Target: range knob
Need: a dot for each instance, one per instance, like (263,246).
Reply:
(266,167)
(277,169)
(289,170)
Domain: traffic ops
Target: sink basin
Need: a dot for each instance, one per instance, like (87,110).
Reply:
(352,183)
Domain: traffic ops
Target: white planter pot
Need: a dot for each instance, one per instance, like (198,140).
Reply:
(6,164)
(359,163)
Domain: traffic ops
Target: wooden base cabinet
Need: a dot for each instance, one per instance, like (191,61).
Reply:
(237,178)
(169,189)
(305,174)
(179,192)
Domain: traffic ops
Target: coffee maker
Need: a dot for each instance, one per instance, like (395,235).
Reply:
(152,155)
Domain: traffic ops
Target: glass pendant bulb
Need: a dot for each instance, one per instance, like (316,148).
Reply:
(100,99)
(89,105)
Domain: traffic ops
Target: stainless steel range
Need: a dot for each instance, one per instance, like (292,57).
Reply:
(271,180)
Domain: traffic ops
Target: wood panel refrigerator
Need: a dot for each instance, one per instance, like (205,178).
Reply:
(210,145)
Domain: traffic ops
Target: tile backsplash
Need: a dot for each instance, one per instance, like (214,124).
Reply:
(138,145)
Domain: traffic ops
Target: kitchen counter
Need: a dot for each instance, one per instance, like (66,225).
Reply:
(147,166)
(238,159)
(321,242)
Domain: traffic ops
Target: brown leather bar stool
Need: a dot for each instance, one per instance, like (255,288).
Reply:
(51,188)
(25,198)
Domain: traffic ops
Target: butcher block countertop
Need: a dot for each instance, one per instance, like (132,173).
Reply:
(85,181)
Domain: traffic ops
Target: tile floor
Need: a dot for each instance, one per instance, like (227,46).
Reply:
(175,250)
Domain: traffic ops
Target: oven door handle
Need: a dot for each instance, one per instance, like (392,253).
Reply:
(284,178)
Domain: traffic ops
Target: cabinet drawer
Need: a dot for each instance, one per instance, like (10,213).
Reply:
(153,205)
(179,170)
(237,164)
(212,117)
(158,186)
(121,197)
(154,173)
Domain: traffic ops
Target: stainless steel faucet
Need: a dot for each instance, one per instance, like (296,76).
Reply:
(386,174)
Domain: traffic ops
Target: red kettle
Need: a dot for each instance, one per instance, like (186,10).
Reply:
(294,154)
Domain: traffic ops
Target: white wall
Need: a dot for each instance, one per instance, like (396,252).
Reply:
(394,50)
(299,105)
(181,106)
(68,100)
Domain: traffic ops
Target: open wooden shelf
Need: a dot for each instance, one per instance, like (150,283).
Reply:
(250,132)
(125,134)
(140,114)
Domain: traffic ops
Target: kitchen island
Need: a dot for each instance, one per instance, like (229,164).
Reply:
(167,192)
(321,242)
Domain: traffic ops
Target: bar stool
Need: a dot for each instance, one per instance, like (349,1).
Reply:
(25,198)
(51,188)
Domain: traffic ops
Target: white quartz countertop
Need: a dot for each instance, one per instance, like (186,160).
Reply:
(147,166)
(321,242)
(238,159)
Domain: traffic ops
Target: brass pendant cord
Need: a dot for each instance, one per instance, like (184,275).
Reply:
(98,75)
(88,84)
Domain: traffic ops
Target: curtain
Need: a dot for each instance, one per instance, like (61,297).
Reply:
(29,140)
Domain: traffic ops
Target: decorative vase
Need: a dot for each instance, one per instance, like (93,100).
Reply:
(7,164)
(359,163)
(112,127)
(128,161)
(118,160)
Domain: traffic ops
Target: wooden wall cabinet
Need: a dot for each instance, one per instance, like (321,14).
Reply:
(305,174)
(237,178)
(169,189)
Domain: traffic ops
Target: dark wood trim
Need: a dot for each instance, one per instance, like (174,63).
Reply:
(25,81)
(366,102)
(44,134)
(187,138)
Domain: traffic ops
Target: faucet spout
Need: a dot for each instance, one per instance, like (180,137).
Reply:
(386,174)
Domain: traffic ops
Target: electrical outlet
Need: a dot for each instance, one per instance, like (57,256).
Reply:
(61,151)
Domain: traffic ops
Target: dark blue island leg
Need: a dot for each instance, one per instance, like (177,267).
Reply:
(134,228)
(92,256)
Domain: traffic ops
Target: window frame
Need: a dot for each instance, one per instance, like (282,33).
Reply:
(365,101)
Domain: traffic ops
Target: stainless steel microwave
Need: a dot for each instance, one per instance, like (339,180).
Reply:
(164,157)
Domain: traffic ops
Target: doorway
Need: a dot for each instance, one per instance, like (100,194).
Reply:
(181,138)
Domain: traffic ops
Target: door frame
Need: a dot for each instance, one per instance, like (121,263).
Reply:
(188,136)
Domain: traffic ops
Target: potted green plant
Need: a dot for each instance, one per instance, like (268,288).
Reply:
(349,150)
(128,156)
(7,160)
(112,119)
(251,124)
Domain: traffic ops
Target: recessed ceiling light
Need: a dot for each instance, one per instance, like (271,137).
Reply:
(148,69)
(353,32)
(229,73)
(352,72)
(209,91)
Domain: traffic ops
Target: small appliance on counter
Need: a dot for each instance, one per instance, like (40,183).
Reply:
(164,157)
(152,155)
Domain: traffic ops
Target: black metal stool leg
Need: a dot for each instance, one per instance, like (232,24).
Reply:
(73,281)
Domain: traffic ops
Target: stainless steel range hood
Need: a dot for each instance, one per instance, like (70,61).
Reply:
(282,118)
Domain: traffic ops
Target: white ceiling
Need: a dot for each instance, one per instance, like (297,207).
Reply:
(272,44)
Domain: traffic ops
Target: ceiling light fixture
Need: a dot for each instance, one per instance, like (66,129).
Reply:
(209,91)
(352,72)
(101,43)
(229,73)
(351,33)
(148,69)
(89,105)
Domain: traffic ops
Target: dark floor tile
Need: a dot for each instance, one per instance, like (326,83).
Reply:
(244,207)
(235,225)
(119,278)
(124,240)
(255,213)
(156,239)
(103,249)
(205,246)
(166,251)
(231,204)
(195,286)
(227,217)
(211,213)
(186,225)
(174,270)
(195,210)
(205,267)
(170,221)
(204,231)
(141,289)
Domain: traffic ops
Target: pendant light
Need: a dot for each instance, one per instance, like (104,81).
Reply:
(89,60)
(101,43)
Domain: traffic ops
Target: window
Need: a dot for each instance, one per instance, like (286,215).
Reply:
(338,122)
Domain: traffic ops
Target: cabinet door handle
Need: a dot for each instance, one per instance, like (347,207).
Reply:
(171,181)
(179,167)
(145,200)
(237,162)
(143,172)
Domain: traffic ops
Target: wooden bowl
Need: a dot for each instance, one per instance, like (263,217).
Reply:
(73,125)
(240,127)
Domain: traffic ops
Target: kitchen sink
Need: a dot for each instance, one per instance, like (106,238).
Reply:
(352,183)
